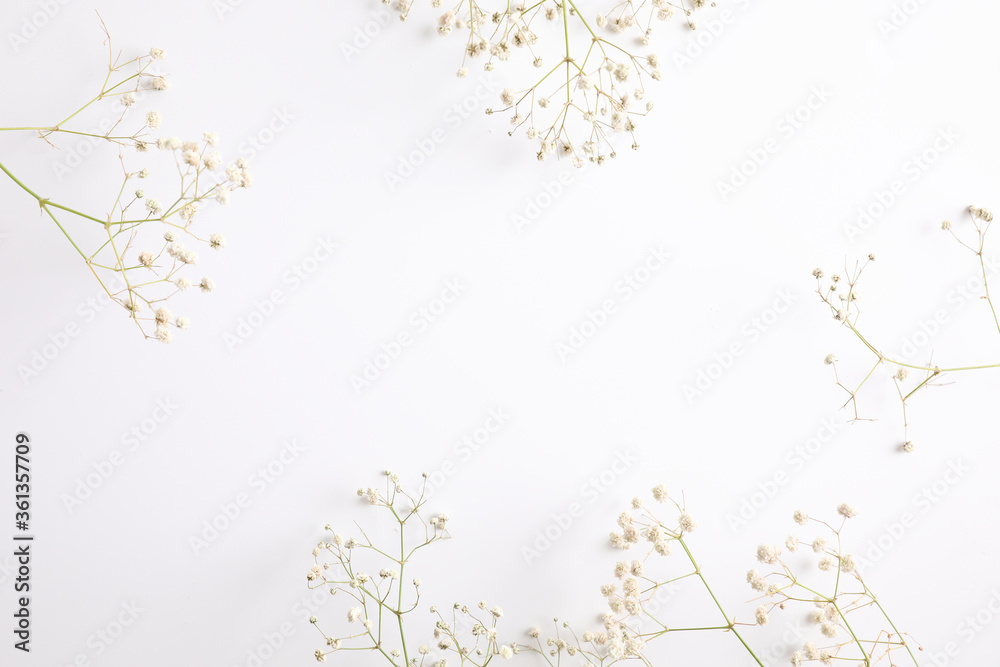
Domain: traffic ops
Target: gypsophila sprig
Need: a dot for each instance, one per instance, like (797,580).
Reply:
(850,622)
(136,246)
(381,600)
(839,292)
(593,68)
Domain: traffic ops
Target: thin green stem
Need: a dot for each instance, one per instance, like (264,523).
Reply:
(732,625)
(986,285)
(898,633)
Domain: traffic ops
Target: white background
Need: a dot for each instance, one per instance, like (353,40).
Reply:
(323,177)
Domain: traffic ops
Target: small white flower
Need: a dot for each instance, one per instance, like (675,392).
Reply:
(217,241)
(157,54)
(153,120)
(847,511)
(206,286)
(768,553)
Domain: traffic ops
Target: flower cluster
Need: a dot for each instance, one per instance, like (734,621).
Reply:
(380,604)
(842,607)
(136,247)
(592,68)
(840,294)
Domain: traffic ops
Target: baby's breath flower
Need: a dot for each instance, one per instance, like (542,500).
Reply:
(153,120)
(768,553)
(847,511)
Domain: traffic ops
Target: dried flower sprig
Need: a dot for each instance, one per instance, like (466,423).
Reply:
(381,604)
(136,272)
(841,296)
(851,622)
(844,609)
(596,86)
